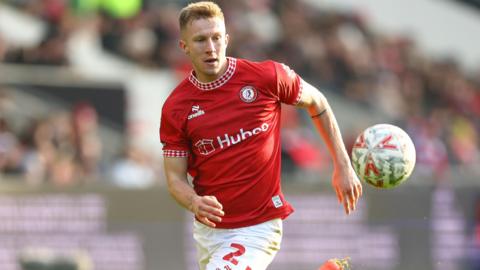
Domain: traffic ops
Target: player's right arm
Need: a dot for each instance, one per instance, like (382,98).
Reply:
(207,209)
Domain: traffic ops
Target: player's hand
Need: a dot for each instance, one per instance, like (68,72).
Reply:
(208,210)
(347,186)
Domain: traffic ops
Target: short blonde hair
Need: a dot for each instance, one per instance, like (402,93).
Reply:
(199,10)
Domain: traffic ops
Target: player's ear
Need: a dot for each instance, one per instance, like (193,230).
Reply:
(227,38)
(183,45)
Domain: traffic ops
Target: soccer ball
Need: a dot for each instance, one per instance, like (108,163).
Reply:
(383,156)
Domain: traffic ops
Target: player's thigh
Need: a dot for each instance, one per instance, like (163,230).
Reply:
(251,248)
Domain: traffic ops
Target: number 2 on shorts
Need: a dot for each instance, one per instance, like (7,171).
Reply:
(230,256)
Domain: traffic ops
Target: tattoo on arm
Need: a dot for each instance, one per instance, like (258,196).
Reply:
(320,114)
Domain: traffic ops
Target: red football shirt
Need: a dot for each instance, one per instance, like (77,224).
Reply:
(230,131)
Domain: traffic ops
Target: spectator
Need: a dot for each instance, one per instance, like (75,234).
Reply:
(133,170)
(88,145)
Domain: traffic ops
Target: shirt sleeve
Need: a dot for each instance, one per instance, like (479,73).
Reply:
(288,84)
(172,135)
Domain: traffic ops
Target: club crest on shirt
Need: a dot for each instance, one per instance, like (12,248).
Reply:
(248,94)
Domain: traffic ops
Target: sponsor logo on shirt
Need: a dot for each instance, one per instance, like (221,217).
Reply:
(227,140)
(206,146)
(196,112)
(248,94)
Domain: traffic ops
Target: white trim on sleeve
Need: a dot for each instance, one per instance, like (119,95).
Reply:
(175,153)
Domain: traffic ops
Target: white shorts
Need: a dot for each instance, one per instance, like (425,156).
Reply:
(247,248)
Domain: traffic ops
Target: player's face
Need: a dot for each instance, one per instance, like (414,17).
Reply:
(205,42)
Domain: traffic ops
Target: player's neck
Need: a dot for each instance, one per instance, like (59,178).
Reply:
(206,78)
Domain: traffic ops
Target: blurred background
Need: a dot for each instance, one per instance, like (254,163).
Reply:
(82,83)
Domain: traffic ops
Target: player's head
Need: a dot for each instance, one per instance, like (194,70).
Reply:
(203,39)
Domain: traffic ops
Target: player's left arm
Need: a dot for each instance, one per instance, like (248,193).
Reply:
(345,181)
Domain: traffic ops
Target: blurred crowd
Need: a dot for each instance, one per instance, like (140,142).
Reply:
(57,148)
(65,148)
(436,101)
